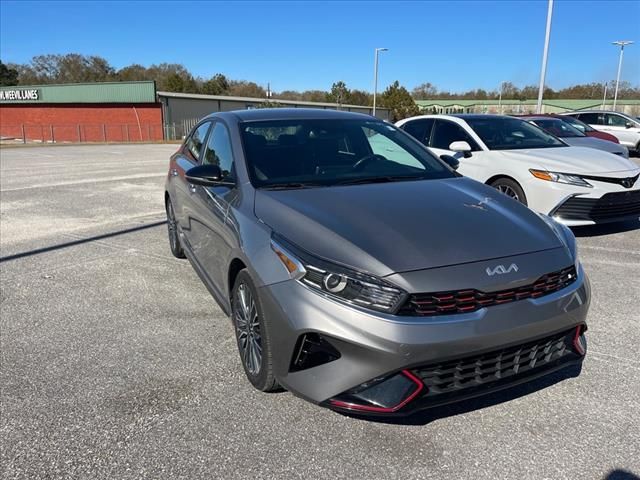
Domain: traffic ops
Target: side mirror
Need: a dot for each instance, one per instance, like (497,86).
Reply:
(462,147)
(628,125)
(451,161)
(206,176)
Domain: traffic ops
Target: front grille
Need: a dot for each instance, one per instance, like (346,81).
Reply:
(609,207)
(497,367)
(626,182)
(465,301)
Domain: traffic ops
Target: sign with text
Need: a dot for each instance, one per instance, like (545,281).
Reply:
(19,94)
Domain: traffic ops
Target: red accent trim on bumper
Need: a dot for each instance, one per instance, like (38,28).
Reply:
(576,340)
(368,408)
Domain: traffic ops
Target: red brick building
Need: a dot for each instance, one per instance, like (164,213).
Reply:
(95,112)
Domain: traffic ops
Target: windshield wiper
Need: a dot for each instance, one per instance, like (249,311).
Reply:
(381,179)
(291,185)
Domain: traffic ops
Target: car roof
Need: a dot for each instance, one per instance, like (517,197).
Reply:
(478,116)
(456,117)
(595,111)
(539,117)
(260,114)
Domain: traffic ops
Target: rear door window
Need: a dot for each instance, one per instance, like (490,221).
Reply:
(447,132)
(590,118)
(420,129)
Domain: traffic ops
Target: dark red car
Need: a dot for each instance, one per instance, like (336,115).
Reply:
(584,128)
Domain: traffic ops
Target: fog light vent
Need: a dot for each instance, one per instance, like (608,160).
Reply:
(311,350)
(380,395)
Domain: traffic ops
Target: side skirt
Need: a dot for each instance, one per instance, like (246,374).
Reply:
(215,293)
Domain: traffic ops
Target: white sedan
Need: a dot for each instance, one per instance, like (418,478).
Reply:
(574,185)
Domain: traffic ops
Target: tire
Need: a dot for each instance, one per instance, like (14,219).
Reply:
(511,189)
(252,334)
(172,230)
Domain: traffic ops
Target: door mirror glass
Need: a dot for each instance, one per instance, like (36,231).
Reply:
(451,161)
(206,176)
(462,147)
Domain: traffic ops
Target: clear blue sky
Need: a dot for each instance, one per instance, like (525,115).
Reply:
(308,45)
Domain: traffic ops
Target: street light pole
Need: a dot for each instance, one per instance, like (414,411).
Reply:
(500,98)
(543,73)
(622,44)
(375,77)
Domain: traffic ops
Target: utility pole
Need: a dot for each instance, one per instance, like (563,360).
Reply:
(545,53)
(621,44)
(375,77)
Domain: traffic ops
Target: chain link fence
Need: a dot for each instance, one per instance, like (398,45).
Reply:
(179,130)
(81,132)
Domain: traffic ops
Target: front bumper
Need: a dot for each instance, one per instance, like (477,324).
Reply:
(576,206)
(611,207)
(372,345)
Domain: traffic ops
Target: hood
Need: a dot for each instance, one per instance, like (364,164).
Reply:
(602,136)
(386,228)
(583,160)
(598,143)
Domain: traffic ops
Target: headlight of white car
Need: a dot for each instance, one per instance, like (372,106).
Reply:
(558,177)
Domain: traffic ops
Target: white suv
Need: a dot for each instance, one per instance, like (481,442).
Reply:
(624,127)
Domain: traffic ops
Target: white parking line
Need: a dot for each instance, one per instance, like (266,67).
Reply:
(635,364)
(609,249)
(610,262)
(80,182)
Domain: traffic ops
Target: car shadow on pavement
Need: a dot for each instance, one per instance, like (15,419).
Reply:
(619,474)
(80,241)
(606,228)
(425,417)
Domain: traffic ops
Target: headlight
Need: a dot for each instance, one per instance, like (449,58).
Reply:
(566,178)
(336,281)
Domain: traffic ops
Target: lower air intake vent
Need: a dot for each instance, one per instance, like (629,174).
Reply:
(312,350)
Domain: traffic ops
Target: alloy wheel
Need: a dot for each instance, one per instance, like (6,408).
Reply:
(172,228)
(247,326)
(508,191)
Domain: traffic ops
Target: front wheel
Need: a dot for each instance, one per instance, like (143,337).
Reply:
(511,189)
(172,230)
(252,334)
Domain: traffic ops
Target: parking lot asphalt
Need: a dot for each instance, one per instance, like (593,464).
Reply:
(117,363)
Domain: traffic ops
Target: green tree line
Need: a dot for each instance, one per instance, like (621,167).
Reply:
(428,91)
(173,77)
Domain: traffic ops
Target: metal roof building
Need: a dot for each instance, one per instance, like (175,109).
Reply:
(631,107)
(183,110)
(81,112)
(120,111)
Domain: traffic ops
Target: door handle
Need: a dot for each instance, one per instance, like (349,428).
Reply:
(174,172)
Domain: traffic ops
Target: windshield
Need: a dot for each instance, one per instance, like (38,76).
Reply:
(557,127)
(578,124)
(310,153)
(507,133)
